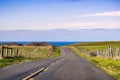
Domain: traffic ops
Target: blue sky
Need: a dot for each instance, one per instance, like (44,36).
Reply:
(65,17)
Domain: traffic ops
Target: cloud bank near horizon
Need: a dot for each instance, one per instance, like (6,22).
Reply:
(60,35)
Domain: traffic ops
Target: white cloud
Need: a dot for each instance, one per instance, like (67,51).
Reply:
(109,14)
(89,25)
(69,26)
(80,25)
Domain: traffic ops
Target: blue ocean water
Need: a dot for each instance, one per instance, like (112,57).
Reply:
(62,43)
(52,43)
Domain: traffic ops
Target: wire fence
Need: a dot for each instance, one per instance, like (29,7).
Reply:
(25,51)
(105,53)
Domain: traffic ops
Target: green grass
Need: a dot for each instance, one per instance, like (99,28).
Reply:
(56,52)
(35,51)
(10,61)
(110,66)
(103,43)
(94,46)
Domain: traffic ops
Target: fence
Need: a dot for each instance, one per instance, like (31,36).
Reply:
(9,52)
(105,53)
(25,51)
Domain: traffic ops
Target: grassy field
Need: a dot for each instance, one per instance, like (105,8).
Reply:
(92,46)
(103,43)
(110,66)
(30,53)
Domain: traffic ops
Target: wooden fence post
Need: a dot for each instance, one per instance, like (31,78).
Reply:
(17,52)
(116,56)
(6,51)
(107,53)
(2,55)
(118,52)
(97,53)
(110,52)
(10,52)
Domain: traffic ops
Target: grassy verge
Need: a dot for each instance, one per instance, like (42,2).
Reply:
(10,61)
(110,66)
(56,52)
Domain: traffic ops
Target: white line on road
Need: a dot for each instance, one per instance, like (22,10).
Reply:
(31,75)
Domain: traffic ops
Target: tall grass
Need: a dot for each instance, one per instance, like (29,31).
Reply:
(29,53)
(56,52)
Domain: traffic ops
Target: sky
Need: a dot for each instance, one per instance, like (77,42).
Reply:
(55,17)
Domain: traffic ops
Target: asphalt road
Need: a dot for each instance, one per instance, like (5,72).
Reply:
(23,69)
(68,66)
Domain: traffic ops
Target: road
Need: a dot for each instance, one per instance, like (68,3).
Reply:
(68,66)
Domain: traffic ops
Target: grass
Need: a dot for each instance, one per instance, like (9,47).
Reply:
(56,52)
(103,43)
(10,61)
(98,45)
(110,66)
(29,53)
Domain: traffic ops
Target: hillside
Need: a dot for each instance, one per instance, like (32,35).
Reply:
(38,44)
(98,43)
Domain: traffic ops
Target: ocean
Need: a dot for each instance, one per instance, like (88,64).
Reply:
(52,43)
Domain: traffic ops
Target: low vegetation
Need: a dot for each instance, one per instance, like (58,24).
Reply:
(103,43)
(56,52)
(28,53)
(92,46)
(10,61)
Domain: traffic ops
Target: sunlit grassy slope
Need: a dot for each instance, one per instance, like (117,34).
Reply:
(93,46)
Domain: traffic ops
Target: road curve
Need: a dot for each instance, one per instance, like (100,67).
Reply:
(72,67)
(68,66)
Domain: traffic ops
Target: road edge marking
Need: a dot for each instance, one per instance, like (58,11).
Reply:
(33,74)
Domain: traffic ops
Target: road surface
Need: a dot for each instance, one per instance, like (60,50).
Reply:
(68,66)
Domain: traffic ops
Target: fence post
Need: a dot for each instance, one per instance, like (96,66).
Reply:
(118,53)
(110,52)
(97,53)
(107,52)
(12,52)
(17,52)
(116,56)
(9,52)
(2,51)
(6,51)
